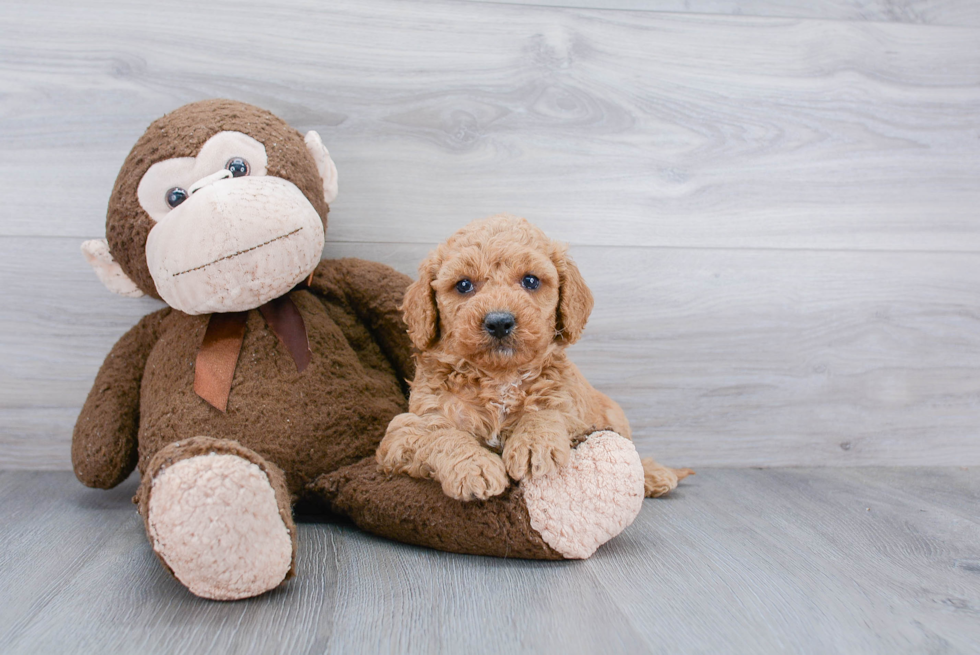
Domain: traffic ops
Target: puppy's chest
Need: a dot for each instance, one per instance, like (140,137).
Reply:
(510,399)
(494,408)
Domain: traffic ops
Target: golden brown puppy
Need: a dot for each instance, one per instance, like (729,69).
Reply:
(494,393)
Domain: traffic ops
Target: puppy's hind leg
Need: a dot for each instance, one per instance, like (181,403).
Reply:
(658,480)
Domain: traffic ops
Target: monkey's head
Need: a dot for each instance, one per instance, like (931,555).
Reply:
(219,207)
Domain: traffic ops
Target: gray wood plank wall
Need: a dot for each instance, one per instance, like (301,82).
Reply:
(929,12)
(776,207)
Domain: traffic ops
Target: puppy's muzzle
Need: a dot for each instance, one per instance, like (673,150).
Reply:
(499,324)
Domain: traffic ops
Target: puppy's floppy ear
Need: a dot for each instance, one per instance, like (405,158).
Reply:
(574,297)
(419,306)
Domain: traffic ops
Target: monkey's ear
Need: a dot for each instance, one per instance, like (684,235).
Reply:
(108,270)
(324,165)
(419,306)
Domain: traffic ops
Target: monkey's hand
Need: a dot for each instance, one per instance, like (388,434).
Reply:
(375,292)
(103,447)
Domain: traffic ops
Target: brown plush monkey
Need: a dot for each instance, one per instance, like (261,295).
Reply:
(245,389)
(272,376)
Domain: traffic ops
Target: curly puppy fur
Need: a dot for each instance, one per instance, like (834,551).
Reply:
(485,409)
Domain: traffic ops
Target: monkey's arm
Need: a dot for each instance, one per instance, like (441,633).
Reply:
(104,448)
(374,291)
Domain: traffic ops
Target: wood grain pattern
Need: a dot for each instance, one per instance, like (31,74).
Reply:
(772,550)
(738,357)
(778,216)
(607,128)
(947,12)
(760,561)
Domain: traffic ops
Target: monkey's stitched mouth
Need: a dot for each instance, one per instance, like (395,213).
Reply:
(240,252)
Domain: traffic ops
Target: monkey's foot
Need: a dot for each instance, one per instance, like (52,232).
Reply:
(565,515)
(216,521)
(591,499)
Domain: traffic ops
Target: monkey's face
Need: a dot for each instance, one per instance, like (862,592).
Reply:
(227,237)
(219,207)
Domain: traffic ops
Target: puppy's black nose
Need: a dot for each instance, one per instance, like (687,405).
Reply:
(499,324)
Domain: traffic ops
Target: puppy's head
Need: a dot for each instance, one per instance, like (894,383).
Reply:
(497,293)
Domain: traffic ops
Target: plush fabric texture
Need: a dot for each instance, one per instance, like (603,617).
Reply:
(199,446)
(332,414)
(214,520)
(293,425)
(416,511)
(324,164)
(207,167)
(277,238)
(104,448)
(195,448)
(591,499)
(566,515)
(218,487)
(96,253)
(181,133)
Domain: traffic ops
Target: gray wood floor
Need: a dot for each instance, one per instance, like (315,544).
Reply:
(775,202)
(845,560)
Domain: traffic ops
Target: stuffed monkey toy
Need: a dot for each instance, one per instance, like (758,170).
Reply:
(271,376)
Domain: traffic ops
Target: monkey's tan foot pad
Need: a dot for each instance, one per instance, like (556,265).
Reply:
(589,501)
(215,522)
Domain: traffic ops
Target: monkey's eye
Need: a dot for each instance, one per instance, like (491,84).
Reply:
(237,166)
(175,196)
(464,286)
(530,282)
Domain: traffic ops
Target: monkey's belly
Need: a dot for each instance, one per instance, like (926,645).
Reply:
(332,414)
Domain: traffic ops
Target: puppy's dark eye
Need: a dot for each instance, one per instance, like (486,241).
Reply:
(464,286)
(175,196)
(530,282)
(237,166)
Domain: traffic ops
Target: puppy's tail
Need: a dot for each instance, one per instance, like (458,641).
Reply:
(658,480)
(683,473)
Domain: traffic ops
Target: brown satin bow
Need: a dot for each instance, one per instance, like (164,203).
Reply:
(217,357)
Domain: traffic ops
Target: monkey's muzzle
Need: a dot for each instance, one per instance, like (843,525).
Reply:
(234,245)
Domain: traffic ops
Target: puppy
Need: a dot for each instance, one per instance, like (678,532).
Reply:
(495,397)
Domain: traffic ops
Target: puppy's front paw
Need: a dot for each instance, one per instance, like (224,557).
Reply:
(394,456)
(535,456)
(398,451)
(479,476)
